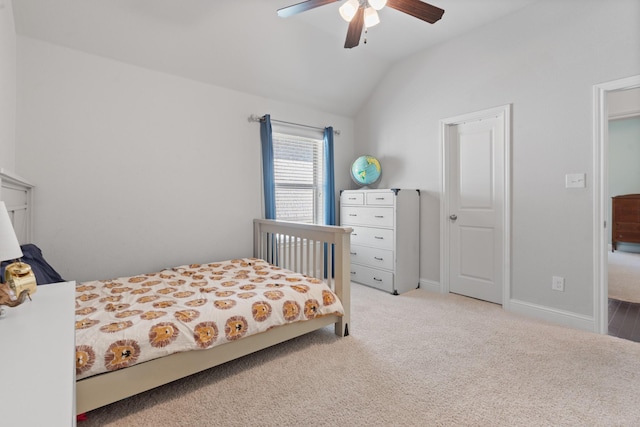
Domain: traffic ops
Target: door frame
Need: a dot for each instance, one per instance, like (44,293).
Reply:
(445,230)
(601,197)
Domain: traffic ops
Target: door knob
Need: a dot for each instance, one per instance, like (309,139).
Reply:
(453,217)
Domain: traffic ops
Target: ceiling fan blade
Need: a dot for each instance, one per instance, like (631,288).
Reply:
(355,29)
(302,7)
(419,9)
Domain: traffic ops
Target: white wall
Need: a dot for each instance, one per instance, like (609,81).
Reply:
(7,86)
(137,170)
(544,60)
(624,154)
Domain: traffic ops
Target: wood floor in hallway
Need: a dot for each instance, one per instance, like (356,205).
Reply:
(624,319)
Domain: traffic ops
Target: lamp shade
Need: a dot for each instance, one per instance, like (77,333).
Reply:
(377,4)
(371,17)
(9,246)
(349,9)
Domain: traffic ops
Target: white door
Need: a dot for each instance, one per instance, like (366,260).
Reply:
(476,201)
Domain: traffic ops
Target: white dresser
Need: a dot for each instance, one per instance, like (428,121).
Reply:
(37,365)
(385,243)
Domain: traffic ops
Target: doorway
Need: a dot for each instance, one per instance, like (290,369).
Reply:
(475,205)
(601,196)
(624,187)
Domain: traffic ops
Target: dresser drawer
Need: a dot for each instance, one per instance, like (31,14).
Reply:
(623,215)
(352,198)
(626,227)
(374,216)
(373,277)
(376,237)
(628,236)
(382,198)
(374,257)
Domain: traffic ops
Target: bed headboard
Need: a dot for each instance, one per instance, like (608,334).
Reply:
(17,194)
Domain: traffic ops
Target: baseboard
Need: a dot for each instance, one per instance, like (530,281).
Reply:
(552,315)
(430,285)
(565,318)
(627,247)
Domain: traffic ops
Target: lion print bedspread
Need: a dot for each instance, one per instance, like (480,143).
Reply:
(130,320)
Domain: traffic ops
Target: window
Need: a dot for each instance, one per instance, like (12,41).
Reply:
(298,172)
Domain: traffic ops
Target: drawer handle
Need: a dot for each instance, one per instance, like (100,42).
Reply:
(353,273)
(377,280)
(353,214)
(354,234)
(353,253)
(352,198)
(378,237)
(379,198)
(379,216)
(378,258)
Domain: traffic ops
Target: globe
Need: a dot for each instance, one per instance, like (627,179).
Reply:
(366,170)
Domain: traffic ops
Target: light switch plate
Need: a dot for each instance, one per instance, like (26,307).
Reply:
(575,180)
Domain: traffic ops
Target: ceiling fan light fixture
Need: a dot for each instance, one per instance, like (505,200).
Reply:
(377,4)
(362,14)
(371,17)
(349,9)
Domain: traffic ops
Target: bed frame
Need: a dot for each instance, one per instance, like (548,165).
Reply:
(17,193)
(303,248)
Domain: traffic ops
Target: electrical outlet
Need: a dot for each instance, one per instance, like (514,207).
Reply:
(557,283)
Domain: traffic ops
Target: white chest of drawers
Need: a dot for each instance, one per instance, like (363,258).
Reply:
(385,250)
(37,369)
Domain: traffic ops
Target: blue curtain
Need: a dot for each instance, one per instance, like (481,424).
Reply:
(266,137)
(329,192)
(329,181)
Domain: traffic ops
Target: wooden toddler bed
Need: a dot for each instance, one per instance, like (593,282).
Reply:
(287,257)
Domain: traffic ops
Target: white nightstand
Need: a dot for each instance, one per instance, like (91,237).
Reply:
(37,359)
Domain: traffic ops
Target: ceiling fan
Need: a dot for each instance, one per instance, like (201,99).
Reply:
(361,13)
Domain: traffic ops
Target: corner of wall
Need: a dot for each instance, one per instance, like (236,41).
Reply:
(7,86)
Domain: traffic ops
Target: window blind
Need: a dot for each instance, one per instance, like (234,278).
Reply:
(298,171)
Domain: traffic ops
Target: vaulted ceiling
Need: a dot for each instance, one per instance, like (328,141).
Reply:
(244,45)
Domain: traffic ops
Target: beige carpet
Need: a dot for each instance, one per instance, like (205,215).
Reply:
(624,276)
(419,359)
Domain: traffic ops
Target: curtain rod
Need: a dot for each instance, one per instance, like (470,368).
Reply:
(256,118)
